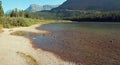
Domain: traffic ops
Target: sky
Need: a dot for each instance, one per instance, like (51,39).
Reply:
(23,4)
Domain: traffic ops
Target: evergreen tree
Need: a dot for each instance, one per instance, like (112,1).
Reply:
(1,9)
(16,12)
(12,13)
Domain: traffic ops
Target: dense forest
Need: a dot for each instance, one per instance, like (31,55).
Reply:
(89,15)
(79,15)
(74,15)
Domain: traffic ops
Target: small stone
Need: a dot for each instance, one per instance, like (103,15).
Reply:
(111,41)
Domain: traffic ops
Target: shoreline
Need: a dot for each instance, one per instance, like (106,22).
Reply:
(81,46)
(41,56)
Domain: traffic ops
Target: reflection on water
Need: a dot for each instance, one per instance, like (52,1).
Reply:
(79,43)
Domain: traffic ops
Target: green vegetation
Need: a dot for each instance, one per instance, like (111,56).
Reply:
(21,13)
(80,15)
(1,9)
(9,22)
(29,59)
(89,15)
(0,29)
(1,26)
(47,15)
(1,14)
(20,33)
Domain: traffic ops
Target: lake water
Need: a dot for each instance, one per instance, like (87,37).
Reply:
(86,43)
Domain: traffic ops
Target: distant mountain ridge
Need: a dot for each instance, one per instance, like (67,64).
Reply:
(90,5)
(35,7)
(49,7)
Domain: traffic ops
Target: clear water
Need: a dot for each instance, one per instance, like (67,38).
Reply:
(77,42)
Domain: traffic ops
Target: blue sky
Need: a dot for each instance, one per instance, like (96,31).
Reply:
(23,4)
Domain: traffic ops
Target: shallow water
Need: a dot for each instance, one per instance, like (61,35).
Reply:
(86,43)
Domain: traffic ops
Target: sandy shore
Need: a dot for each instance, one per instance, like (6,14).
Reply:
(17,50)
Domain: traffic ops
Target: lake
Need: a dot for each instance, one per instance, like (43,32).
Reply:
(94,43)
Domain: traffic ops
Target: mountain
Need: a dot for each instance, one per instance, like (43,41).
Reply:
(33,8)
(49,7)
(90,5)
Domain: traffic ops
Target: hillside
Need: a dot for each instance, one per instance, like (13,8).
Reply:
(90,5)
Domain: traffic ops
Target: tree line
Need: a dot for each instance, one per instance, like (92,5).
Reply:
(21,13)
(1,10)
(74,15)
(89,15)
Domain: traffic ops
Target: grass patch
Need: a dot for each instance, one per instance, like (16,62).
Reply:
(1,29)
(10,22)
(20,33)
(29,59)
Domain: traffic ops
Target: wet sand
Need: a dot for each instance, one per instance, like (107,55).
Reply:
(80,46)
